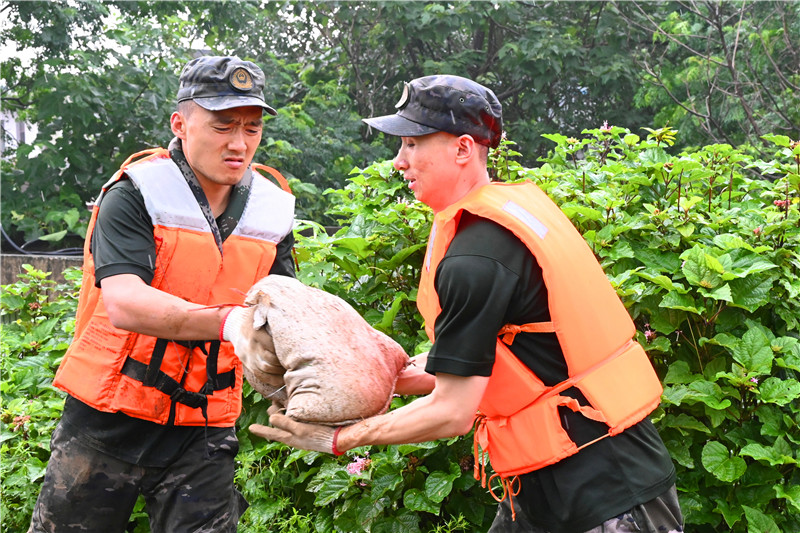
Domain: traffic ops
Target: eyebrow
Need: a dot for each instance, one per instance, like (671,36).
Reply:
(225,118)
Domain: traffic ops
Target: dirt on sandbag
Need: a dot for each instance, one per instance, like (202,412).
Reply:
(339,369)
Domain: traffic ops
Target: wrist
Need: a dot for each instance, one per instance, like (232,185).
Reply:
(334,449)
(231,321)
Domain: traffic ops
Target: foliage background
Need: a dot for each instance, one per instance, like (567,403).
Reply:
(718,71)
(694,217)
(702,246)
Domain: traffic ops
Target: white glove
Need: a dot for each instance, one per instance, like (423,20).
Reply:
(297,434)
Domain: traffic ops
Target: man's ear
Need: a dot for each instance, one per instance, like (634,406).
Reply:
(177,123)
(465,149)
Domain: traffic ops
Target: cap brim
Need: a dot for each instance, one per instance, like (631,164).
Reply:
(218,103)
(399,126)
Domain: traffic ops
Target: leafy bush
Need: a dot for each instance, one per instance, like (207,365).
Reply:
(38,318)
(703,248)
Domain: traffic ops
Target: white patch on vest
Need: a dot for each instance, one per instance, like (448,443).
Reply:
(167,196)
(525,216)
(430,247)
(268,214)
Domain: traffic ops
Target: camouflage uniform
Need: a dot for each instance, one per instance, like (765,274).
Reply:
(86,490)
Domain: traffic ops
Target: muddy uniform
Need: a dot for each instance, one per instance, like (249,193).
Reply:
(160,461)
(487,279)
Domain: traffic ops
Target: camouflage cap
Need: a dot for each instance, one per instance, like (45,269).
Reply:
(445,103)
(223,82)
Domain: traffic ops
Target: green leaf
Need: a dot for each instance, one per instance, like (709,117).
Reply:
(778,454)
(679,372)
(702,269)
(438,486)
(708,393)
(718,460)
(722,293)
(682,302)
(790,493)
(754,352)
(752,292)
(685,424)
(416,500)
(779,391)
(758,522)
(332,488)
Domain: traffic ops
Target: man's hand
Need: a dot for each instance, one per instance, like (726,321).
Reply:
(296,434)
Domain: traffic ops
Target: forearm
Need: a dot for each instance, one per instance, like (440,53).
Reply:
(135,306)
(447,412)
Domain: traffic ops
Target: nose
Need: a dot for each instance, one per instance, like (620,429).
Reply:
(400,162)
(236,142)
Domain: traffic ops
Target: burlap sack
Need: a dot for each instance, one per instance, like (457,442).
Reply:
(338,368)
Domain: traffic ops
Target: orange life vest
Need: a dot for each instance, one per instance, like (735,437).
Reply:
(191,383)
(518,423)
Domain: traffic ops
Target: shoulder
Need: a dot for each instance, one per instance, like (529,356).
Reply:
(480,237)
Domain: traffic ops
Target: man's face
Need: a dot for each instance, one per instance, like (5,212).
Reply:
(219,145)
(428,164)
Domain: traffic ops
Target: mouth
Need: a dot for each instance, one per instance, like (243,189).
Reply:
(234,162)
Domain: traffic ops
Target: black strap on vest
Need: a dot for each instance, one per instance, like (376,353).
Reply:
(151,375)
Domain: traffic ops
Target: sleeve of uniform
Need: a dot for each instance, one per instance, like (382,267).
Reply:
(474,293)
(122,240)
(284,260)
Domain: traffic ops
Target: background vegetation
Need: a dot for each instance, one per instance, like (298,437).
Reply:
(98,80)
(703,247)
(666,131)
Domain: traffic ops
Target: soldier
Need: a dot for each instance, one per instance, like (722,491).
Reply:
(154,389)
(527,332)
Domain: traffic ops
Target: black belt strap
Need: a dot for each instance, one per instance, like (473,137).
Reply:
(151,375)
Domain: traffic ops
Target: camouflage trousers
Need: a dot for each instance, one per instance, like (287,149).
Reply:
(86,490)
(659,515)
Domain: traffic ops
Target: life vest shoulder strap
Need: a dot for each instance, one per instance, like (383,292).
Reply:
(283,182)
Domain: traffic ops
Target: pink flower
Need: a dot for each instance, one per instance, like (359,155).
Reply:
(780,203)
(757,231)
(754,380)
(605,127)
(358,465)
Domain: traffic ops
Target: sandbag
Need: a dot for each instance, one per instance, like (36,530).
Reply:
(338,368)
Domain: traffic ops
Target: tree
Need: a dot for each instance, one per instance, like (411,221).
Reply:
(727,72)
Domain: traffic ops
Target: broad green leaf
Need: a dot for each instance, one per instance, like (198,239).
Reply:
(754,352)
(702,269)
(718,460)
(416,500)
(779,391)
(752,292)
(679,372)
(332,488)
(778,454)
(438,486)
(662,281)
(790,493)
(708,393)
(682,302)
(758,522)
(685,423)
(722,293)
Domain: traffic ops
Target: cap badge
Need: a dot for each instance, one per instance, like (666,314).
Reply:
(404,98)
(241,79)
